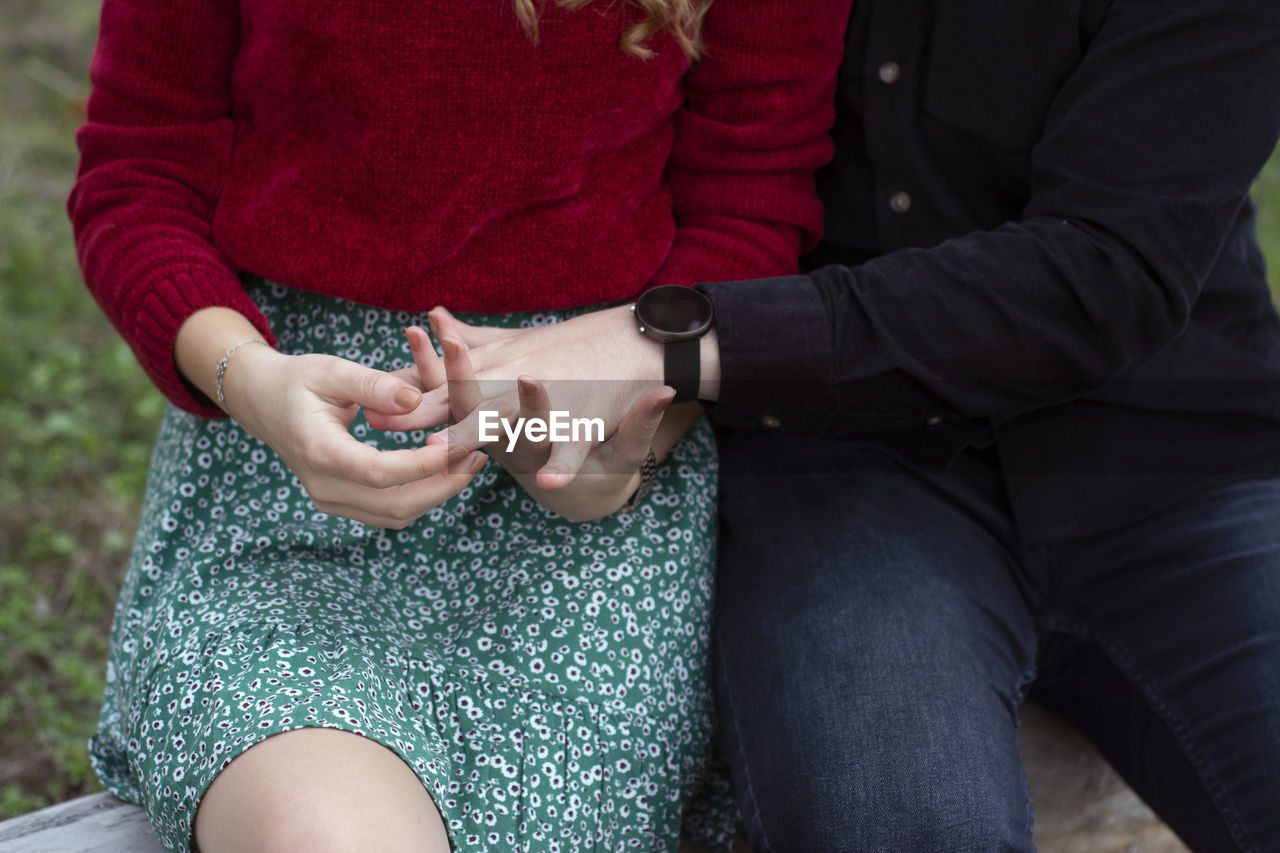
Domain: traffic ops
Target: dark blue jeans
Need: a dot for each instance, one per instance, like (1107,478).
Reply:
(878,627)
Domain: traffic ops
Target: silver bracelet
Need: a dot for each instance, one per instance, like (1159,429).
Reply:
(222,366)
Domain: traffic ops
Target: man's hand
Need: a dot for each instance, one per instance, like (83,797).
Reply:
(594,365)
(593,479)
(597,365)
(605,473)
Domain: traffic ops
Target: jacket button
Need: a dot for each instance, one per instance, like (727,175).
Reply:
(770,422)
(899,202)
(889,73)
(933,420)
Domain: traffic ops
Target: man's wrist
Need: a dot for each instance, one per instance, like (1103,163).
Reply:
(646,355)
(709,377)
(650,361)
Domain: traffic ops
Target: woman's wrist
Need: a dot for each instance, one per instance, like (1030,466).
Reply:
(202,351)
(225,362)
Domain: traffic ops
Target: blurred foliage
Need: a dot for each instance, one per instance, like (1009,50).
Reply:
(1267,194)
(76,423)
(77,418)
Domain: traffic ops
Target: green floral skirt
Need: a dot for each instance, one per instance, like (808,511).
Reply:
(547,680)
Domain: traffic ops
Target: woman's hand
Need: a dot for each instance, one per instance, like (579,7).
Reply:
(302,406)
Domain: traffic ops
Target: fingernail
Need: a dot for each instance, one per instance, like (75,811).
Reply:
(450,349)
(407,398)
(527,388)
(477,462)
(662,402)
(456,454)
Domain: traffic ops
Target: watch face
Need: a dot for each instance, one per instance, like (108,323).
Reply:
(671,312)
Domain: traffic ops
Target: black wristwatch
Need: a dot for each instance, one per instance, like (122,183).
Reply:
(678,317)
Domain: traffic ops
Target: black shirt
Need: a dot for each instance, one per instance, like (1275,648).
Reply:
(1038,237)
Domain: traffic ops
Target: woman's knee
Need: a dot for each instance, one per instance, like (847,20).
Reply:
(318,790)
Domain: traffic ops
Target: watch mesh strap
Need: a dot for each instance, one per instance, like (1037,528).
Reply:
(648,470)
(681,368)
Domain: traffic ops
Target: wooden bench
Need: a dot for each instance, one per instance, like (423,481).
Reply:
(1081,807)
(98,822)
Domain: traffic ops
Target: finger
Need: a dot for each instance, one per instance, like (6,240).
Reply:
(469,464)
(432,409)
(566,458)
(334,454)
(437,398)
(464,390)
(445,325)
(399,506)
(430,368)
(535,406)
(535,402)
(428,415)
(496,421)
(564,463)
(634,436)
(472,336)
(345,382)
(409,374)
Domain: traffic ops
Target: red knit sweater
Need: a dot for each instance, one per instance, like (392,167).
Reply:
(406,155)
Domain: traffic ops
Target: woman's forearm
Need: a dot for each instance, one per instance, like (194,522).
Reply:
(203,340)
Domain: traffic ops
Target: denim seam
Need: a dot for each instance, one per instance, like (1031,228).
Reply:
(1169,715)
(742,755)
(1025,679)
(1027,676)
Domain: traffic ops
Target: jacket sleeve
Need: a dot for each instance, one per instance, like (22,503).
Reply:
(154,154)
(753,130)
(1142,169)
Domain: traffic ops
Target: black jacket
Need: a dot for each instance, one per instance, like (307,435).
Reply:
(1038,235)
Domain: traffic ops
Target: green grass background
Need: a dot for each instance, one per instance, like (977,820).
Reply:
(77,417)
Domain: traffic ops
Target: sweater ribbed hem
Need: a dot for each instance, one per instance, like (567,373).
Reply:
(169,299)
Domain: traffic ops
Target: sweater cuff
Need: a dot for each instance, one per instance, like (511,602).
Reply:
(775,354)
(167,304)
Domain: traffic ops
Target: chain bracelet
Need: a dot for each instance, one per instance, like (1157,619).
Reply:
(222,366)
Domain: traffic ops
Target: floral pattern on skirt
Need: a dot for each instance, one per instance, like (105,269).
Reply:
(547,680)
